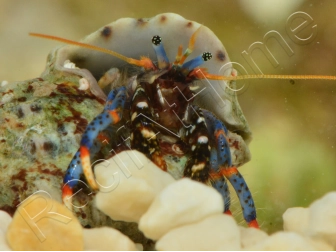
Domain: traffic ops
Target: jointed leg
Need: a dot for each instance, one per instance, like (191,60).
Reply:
(143,137)
(217,181)
(81,163)
(196,135)
(226,168)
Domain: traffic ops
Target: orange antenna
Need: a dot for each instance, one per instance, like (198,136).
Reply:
(201,73)
(143,62)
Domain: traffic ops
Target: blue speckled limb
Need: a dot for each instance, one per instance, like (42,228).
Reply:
(224,167)
(218,182)
(73,172)
(75,169)
(115,103)
(80,164)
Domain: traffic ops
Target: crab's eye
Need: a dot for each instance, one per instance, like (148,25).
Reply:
(161,55)
(206,56)
(156,40)
(192,64)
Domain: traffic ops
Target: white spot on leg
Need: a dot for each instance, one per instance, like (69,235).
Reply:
(192,129)
(202,139)
(200,119)
(148,133)
(134,84)
(134,116)
(197,167)
(160,95)
(140,89)
(142,105)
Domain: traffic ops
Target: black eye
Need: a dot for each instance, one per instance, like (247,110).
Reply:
(206,56)
(156,40)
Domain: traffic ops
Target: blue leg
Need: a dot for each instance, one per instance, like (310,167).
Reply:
(81,163)
(224,167)
(218,182)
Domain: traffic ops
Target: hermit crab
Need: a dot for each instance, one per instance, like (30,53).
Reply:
(174,107)
(179,109)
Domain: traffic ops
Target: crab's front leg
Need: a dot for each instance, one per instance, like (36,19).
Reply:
(218,182)
(204,161)
(143,136)
(80,166)
(196,136)
(226,169)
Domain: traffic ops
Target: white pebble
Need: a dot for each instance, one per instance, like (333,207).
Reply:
(106,239)
(322,219)
(128,185)
(139,246)
(282,241)
(296,219)
(216,232)
(320,245)
(5,220)
(41,223)
(3,245)
(182,202)
(251,236)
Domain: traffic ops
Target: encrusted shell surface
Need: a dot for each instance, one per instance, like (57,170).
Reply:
(42,120)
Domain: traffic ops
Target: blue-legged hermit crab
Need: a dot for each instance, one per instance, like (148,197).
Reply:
(179,109)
